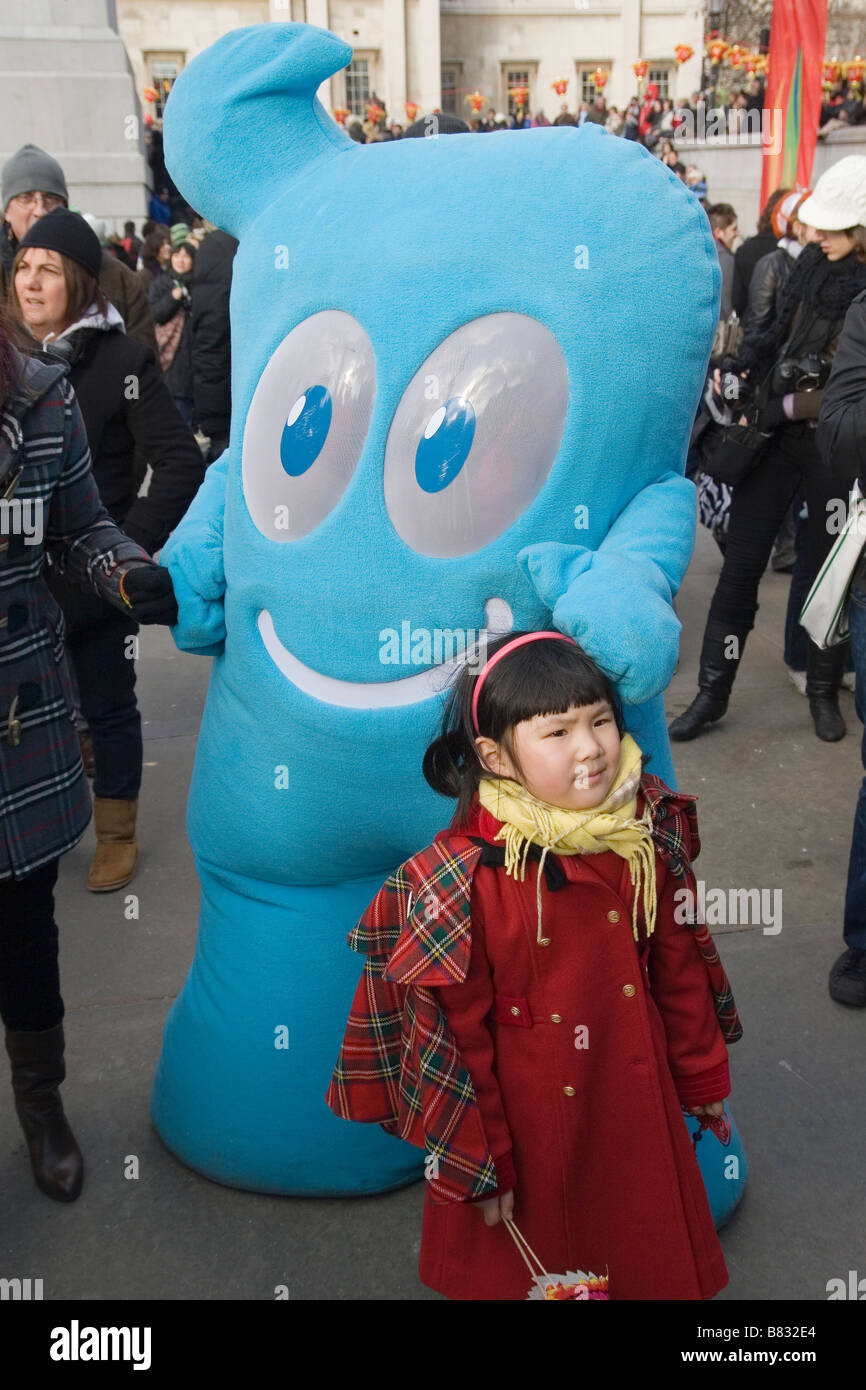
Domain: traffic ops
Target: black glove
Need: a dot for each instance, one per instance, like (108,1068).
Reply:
(771,415)
(148,593)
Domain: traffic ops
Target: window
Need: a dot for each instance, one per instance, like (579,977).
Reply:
(517,77)
(164,68)
(662,76)
(450,91)
(358,86)
(588,89)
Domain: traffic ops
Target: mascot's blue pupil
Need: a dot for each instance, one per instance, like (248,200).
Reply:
(440,458)
(302,440)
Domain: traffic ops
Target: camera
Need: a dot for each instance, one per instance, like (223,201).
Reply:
(808,373)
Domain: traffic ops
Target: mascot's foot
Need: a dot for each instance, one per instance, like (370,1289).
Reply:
(252,1039)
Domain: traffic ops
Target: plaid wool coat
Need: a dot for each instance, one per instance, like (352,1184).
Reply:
(399,1064)
(45,465)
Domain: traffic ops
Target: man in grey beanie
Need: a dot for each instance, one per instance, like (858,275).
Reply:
(31,184)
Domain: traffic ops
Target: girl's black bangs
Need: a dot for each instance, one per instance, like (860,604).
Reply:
(538,680)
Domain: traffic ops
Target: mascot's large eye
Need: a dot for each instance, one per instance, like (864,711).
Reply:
(475,434)
(307,424)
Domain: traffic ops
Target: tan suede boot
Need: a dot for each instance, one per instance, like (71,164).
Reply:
(117,848)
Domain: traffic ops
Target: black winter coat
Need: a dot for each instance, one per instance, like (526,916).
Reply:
(211,336)
(126,403)
(163,305)
(45,468)
(746,257)
(842,424)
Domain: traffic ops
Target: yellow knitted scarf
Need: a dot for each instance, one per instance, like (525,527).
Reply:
(611,825)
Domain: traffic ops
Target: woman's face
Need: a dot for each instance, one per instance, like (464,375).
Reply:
(163,254)
(181,261)
(40,286)
(835,245)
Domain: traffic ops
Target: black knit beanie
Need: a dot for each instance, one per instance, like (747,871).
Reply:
(66,232)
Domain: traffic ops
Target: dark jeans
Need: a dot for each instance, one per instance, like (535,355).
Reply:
(29,969)
(855,893)
(796,637)
(105,671)
(759,504)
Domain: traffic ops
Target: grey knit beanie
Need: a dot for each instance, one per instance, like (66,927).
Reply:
(31,170)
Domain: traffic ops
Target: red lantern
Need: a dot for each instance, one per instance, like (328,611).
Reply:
(854,71)
(717,50)
(150,95)
(683,52)
(640,69)
(411,109)
(750,62)
(599,78)
(341,113)
(735,55)
(374,112)
(476,101)
(520,94)
(831,72)
(560,86)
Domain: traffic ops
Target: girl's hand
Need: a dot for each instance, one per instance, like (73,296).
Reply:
(716,1108)
(498,1208)
(177,292)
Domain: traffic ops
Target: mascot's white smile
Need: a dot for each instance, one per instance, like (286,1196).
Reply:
(409,690)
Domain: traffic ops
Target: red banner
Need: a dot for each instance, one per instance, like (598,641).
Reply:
(792,105)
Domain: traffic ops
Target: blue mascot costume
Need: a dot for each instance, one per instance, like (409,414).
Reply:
(450,413)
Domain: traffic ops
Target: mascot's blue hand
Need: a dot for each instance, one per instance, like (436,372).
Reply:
(193,555)
(617,607)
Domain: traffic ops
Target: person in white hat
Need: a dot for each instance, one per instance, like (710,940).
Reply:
(786,367)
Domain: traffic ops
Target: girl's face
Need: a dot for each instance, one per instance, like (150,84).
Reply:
(163,254)
(568,760)
(181,261)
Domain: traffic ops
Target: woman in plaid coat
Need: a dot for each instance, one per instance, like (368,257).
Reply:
(540,1033)
(49,505)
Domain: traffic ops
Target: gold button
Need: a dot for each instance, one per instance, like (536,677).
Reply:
(568,1090)
(515,1010)
(629,991)
(613,915)
(545,941)
(556,1018)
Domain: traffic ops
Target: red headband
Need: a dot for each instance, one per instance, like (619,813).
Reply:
(503,651)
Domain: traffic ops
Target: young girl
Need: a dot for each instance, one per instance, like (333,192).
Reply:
(534,1011)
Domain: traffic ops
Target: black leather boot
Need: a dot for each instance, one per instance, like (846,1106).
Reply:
(38,1069)
(720,657)
(823,677)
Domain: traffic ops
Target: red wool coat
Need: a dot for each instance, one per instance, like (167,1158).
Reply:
(581,1053)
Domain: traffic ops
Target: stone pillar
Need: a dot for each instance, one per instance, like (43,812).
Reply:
(428,58)
(623,81)
(394,91)
(67,86)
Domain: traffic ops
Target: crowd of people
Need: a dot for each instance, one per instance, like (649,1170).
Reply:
(115,361)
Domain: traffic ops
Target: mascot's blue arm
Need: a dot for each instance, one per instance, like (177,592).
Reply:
(193,556)
(617,601)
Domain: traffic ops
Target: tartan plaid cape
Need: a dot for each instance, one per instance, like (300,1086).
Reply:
(399,1065)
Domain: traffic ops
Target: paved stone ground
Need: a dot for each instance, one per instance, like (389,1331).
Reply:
(776,811)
